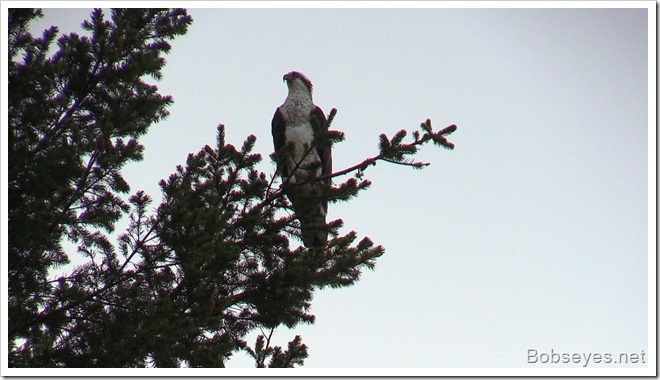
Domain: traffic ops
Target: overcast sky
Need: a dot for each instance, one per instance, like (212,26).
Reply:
(531,234)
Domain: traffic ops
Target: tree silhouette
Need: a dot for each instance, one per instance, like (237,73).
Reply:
(186,283)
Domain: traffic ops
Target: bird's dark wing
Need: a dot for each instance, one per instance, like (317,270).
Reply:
(324,150)
(278,128)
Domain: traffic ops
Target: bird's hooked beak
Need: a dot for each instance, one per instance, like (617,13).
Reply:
(286,77)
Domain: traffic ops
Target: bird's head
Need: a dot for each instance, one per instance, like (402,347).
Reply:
(296,80)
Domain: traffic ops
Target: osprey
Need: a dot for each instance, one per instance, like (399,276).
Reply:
(300,159)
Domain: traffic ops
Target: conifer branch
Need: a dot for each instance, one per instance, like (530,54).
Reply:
(391,151)
(387,154)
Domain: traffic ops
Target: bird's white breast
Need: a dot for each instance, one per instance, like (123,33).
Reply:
(299,134)
(296,111)
(302,137)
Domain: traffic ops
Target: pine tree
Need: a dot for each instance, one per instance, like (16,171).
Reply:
(185,284)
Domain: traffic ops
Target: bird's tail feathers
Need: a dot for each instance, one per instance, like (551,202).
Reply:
(313,228)
(310,206)
(311,209)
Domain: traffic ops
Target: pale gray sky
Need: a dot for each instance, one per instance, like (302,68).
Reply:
(531,234)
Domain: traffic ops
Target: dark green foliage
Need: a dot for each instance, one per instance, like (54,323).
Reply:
(185,284)
(75,117)
(294,354)
(232,247)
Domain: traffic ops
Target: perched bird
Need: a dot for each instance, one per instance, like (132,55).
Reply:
(300,159)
